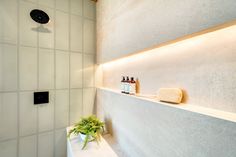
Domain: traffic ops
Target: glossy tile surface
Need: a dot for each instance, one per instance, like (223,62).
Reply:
(8,148)
(28,33)
(28,68)
(46,69)
(76,105)
(8,116)
(46,114)
(62,108)
(76,70)
(8,70)
(62,30)
(89,37)
(8,22)
(62,69)
(45,145)
(28,146)
(88,71)
(28,114)
(76,36)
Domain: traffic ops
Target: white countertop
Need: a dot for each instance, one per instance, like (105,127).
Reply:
(74,148)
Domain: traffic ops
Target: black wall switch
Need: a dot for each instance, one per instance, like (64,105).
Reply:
(41,97)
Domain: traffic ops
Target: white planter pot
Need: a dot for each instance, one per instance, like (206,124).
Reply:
(83,136)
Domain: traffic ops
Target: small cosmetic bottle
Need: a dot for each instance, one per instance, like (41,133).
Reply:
(127,85)
(132,86)
(122,85)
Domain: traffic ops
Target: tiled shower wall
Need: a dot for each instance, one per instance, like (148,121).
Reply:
(59,58)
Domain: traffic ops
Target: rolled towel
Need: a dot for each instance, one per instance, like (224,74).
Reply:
(172,95)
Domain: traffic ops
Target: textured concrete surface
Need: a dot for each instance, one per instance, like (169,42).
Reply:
(147,129)
(203,66)
(125,27)
(114,145)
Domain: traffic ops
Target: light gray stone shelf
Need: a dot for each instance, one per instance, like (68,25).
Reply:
(188,107)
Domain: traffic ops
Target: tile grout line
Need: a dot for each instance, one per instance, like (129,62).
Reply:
(69,91)
(9,139)
(34,134)
(82,58)
(18,79)
(8,43)
(43,89)
(54,91)
(46,48)
(37,108)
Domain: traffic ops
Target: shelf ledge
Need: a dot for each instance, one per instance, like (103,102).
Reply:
(188,107)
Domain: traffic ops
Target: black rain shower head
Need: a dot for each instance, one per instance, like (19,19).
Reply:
(39,16)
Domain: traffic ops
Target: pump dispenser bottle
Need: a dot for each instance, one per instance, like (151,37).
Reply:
(127,85)
(123,84)
(132,90)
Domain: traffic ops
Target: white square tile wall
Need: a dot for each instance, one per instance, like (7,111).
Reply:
(8,148)
(8,70)
(46,114)
(88,70)
(62,108)
(48,3)
(27,114)
(45,145)
(8,116)
(28,146)
(88,101)
(89,9)
(62,69)
(57,57)
(76,7)
(8,22)
(60,143)
(62,30)
(89,38)
(62,5)
(28,68)
(46,69)
(28,35)
(76,105)
(76,70)
(46,31)
(76,33)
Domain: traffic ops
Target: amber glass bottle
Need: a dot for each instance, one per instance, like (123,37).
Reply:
(132,86)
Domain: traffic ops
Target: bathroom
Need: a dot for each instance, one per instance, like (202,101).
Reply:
(63,60)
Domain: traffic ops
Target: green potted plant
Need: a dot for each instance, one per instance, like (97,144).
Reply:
(89,129)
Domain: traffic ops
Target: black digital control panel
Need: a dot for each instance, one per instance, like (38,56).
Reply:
(41,98)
